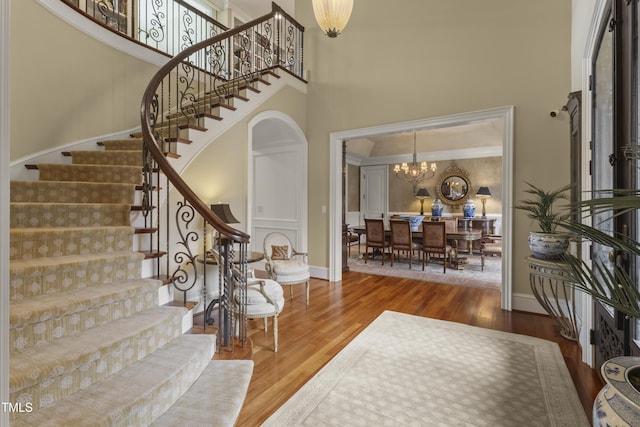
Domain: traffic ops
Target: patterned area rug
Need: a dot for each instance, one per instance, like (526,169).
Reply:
(415,371)
(470,275)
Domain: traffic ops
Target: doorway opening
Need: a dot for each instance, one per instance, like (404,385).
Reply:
(277,179)
(505,114)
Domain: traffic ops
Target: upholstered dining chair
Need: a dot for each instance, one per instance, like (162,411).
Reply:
(491,245)
(375,237)
(434,241)
(284,264)
(265,298)
(402,239)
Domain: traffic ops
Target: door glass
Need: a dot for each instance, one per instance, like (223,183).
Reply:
(635,151)
(603,137)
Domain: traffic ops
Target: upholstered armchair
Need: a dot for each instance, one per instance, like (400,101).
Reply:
(265,299)
(284,264)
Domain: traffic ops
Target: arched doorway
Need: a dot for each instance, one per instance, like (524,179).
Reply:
(277,181)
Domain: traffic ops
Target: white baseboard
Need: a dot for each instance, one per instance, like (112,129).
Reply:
(319,272)
(527,302)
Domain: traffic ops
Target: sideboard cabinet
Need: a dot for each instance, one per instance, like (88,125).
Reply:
(486,225)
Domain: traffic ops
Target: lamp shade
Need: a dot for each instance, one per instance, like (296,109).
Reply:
(483,192)
(223,211)
(422,192)
(332,15)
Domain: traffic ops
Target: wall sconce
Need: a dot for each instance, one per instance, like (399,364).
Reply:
(483,194)
(422,194)
(332,15)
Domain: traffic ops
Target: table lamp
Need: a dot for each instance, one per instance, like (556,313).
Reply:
(422,194)
(223,211)
(483,194)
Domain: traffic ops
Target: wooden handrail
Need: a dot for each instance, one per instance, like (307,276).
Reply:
(152,144)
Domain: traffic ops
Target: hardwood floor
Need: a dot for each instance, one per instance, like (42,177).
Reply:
(309,336)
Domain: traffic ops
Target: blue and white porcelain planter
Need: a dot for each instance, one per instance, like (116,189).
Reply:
(548,246)
(436,208)
(469,209)
(618,403)
(414,220)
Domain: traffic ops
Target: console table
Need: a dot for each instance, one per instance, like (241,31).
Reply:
(552,288)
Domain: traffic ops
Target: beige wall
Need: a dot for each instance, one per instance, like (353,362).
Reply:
(219,173)
(66,86)
(429,58)
(353,188)
(416,59)
(482,172)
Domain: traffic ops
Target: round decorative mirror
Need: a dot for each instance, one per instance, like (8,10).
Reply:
(454,186)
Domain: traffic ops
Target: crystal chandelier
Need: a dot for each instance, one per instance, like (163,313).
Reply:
(332,15)
(415,172)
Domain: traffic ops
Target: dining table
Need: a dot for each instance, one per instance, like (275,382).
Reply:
(457,235)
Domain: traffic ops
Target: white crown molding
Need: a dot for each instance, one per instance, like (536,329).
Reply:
(433,156)
(87,26)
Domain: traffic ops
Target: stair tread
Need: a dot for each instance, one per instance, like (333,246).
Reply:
(68,353)
(39,308)
(135,395)
(202,407)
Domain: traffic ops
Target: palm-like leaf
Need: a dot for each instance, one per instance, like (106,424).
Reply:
(540,207)
(614,287)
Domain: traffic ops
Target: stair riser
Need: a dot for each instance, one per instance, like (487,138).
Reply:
(69,215)
(47,243)
(111,157)
(90,173)
(42,332)
(94,367)
(123,144)
(31,281)
(71,192)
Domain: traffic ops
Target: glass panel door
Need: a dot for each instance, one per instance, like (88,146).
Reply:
(609,339)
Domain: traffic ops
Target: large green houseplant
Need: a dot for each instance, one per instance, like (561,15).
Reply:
(607,280)
(602,279)
(542,208)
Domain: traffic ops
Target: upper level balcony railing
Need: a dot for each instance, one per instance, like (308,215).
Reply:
(168,26)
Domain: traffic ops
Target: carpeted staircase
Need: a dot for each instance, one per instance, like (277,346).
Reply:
(90,344)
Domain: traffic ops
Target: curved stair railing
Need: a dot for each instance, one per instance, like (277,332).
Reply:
(186,94)
(167,26)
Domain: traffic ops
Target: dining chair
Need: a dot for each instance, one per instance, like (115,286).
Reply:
(375,237)
(434,241)
(401,239)
(491,245)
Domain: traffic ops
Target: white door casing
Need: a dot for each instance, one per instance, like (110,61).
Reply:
(336,139)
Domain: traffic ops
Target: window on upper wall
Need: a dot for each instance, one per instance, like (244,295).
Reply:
(205,7)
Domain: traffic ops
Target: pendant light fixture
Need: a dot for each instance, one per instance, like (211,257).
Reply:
(332,15)
(415,172)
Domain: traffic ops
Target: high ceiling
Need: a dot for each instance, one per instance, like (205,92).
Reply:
(479,134)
